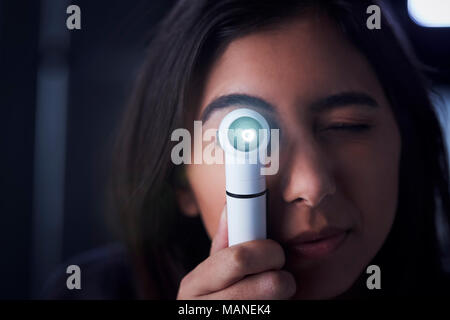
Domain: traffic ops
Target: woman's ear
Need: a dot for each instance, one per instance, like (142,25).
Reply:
(186,202)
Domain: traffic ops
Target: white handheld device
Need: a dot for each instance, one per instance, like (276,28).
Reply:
(244,136)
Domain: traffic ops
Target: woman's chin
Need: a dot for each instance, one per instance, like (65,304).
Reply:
(323,280)
(319,290)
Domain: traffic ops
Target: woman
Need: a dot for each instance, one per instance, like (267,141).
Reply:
(362,159)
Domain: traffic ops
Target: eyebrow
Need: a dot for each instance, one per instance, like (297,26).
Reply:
(343,99)
(235,99)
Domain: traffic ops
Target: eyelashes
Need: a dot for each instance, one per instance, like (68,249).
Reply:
(349,127)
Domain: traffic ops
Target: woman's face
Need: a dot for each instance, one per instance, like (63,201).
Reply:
(329,175)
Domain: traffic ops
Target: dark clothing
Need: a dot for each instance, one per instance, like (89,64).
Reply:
(107,274)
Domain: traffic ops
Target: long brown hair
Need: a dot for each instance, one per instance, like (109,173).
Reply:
(164,243)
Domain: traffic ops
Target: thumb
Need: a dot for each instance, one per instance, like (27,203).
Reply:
(220,239)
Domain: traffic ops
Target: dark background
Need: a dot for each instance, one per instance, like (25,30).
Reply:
(62,93)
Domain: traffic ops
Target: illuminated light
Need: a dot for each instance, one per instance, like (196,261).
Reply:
(248,135)
(430,13)
(243,133)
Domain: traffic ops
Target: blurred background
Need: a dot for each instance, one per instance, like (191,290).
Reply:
(61,96)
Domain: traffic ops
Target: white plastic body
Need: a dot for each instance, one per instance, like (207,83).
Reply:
(246,219)
(246,213)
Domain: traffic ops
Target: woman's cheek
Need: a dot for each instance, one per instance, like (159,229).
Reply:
(208,186)
(385,188)
(369,177)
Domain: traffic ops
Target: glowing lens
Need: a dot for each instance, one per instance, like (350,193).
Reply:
(248,135)
(243,133)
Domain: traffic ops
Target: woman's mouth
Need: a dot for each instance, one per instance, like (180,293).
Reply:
(313,245)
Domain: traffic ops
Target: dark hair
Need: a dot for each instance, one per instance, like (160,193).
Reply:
(165,243)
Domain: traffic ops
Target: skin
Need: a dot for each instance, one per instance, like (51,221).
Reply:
(327,177)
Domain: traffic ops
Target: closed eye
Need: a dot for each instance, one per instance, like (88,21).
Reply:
(349,127)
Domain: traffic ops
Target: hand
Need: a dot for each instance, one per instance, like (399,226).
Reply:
(249,270)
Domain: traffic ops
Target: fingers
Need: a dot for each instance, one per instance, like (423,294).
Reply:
(249,270)
(220,239)
(269,285)
(227,266)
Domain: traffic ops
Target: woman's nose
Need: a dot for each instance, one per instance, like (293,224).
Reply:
(306,174)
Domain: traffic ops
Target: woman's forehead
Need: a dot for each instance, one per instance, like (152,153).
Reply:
(298,63)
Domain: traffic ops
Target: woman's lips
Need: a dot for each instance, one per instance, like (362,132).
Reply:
(316,245)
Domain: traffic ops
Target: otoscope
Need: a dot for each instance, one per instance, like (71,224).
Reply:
(244,136)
